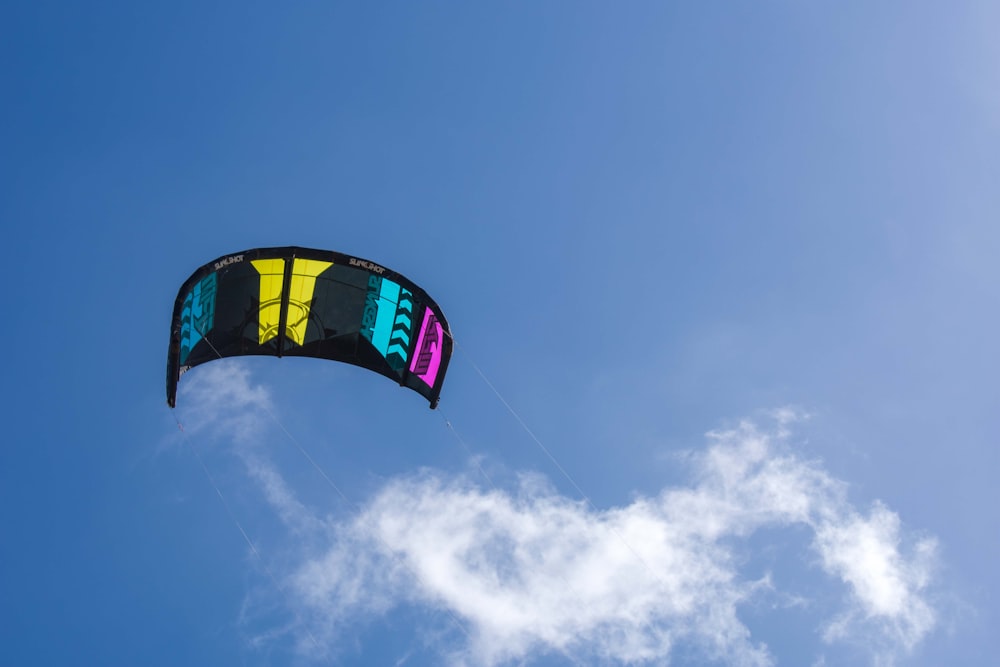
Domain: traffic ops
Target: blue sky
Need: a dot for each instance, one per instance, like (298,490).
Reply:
(732,263)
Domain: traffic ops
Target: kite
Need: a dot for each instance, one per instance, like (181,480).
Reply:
(310,303)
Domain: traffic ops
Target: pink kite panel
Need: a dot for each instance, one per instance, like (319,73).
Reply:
(427,360)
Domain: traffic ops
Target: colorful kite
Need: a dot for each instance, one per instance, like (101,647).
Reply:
(310,303)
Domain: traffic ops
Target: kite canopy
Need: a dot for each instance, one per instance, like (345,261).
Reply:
(310,303)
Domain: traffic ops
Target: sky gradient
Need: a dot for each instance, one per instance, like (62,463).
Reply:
(733,267)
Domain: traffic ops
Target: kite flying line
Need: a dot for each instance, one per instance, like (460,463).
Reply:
(253,547)
(343,496)
(293,301)
(552,458)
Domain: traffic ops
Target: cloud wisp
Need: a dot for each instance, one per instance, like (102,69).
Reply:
(525,572)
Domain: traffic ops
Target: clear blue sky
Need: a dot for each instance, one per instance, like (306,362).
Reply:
(772,222)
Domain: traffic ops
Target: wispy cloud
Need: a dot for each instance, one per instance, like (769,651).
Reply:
(525,571)
(222,402)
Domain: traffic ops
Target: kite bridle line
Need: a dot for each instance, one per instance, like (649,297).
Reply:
(343,496)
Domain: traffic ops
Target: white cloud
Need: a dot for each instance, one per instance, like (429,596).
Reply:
(221,402)
(525,572)
(887,588)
